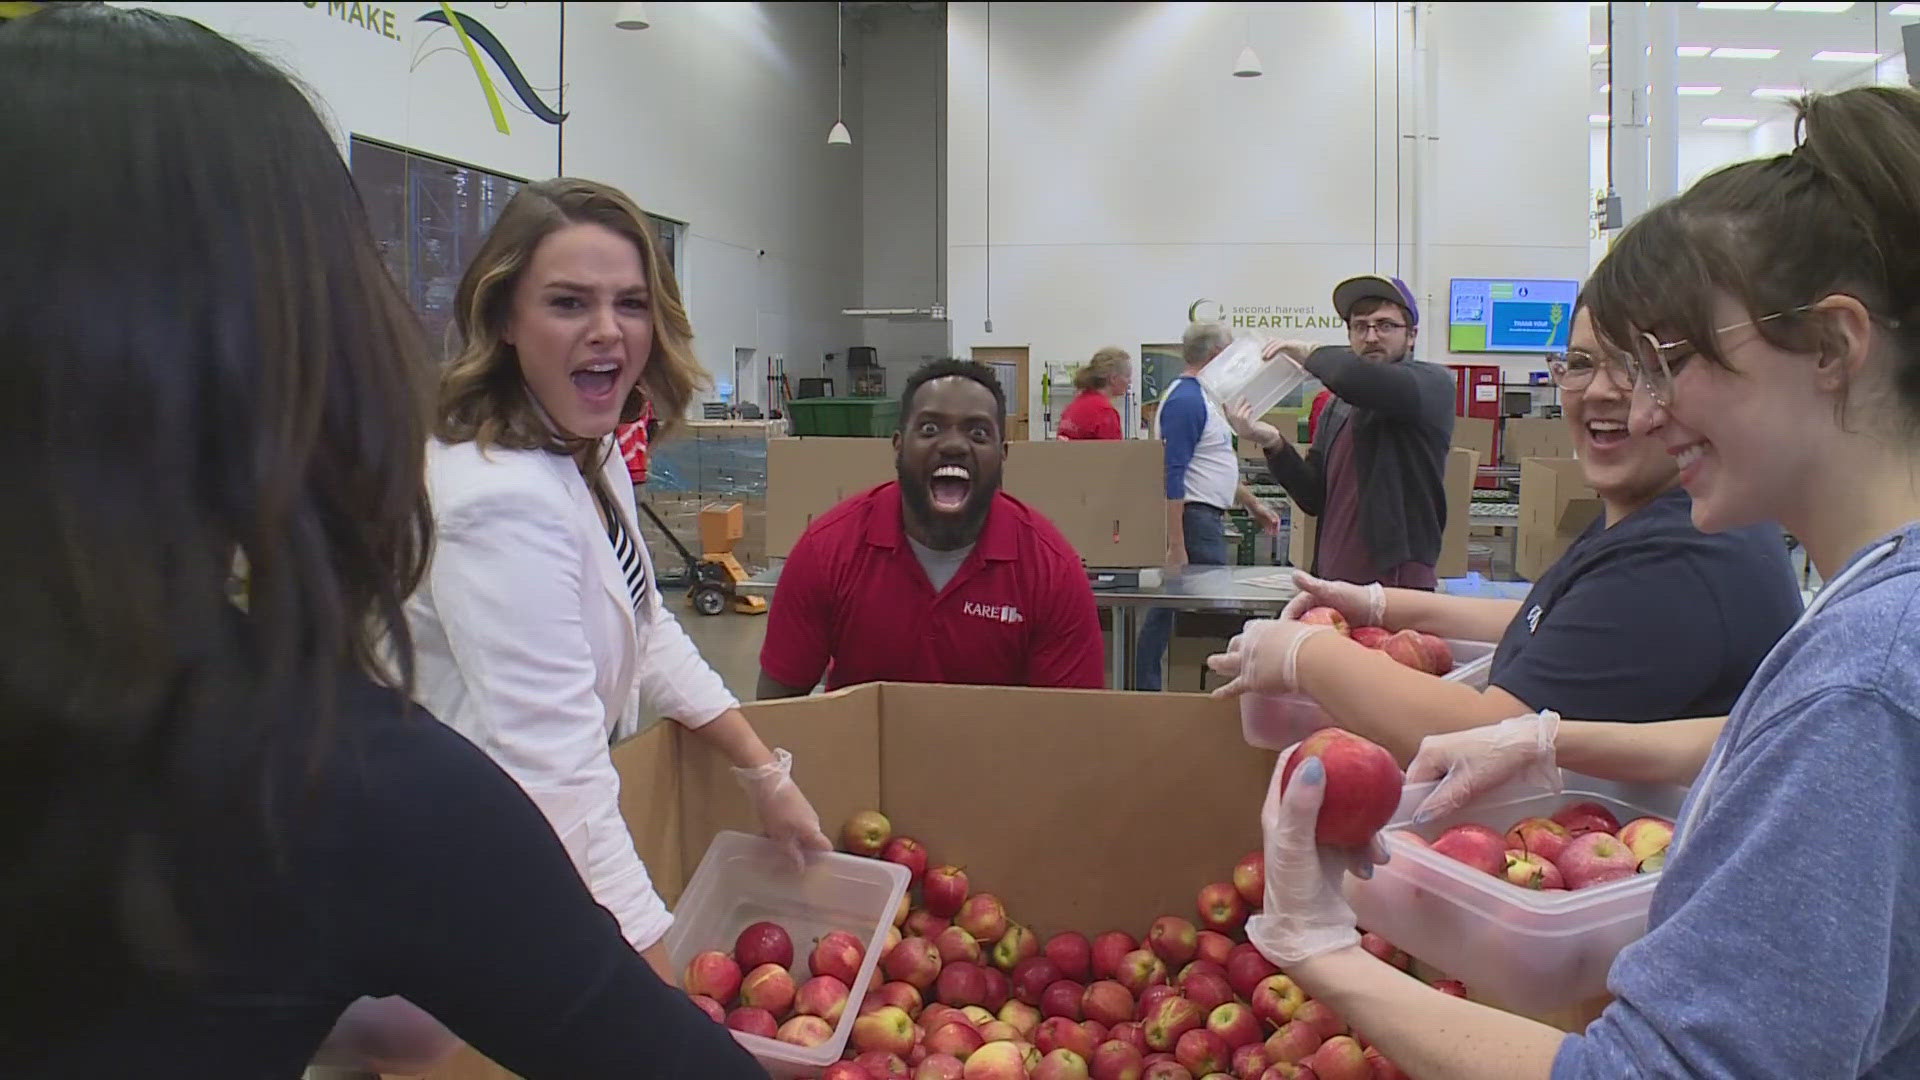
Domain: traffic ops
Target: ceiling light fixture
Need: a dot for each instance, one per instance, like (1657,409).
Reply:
(838,135)
(1696,91)
(1597,118)
(1745,54)
(1842,56)
(1596,50)
(1817,7)
(1247,64)
(1693,52)
(1905,9)
(1741,122)
(1735,5)
(1780,92)
(630,17)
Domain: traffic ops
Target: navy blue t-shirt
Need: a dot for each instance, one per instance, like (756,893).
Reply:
(1651,619)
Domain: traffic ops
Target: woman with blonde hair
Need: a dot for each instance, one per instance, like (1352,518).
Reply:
(540,615)
(1091,415)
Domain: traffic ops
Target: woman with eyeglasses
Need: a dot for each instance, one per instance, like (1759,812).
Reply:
(1772,310)
(1644,617)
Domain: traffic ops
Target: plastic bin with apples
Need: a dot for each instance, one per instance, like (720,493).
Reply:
(1524,949)
(745,879)
(1277,721)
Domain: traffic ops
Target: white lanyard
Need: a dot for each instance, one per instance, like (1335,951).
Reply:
(1703,788)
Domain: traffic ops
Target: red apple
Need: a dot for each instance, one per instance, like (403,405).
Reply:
(1540,836)
(1062,998)
(1058,1031)
(1213,947)
(1250,878)
(1204,988)
(906,907)
(768,987)
(999,988)
(1062,1064)
(999,1031)
(1340,1058)
(1382,1067)
(846,1070)
(1130,1034)
(998,1061)
(1108,950)
(1362,785)
(1202,1052)
(1221,908)
(1173,940)
(838,954)
(1451,987)
(924,923)
(1276,999)
(763,943)
(1168,1069)
(1475,845)
(940,1067)
(1152,997)
(955,1038)
(1653,864)
(1022,1017)
(1286,1071)
(714,974)
(1647,836)
(1140,969)
(1032,976)
(937,1014)
(1295,1041)
(984,917)
(1371,636)
(1235,1024)
(1170,1019)
(1533,872)
(1586,817)
(1419,652)
(1250,1061)
(977,1015)
(909,853)
(823,996)
(1247,969)
(915,962)
(1017,944)
(1073,952)
(710,1007)
(883,1065)
(1324,1021)
(893,938)
(805,1031)
(1197,966)
(961,983)
(956,945)
(944,890)
(866,833)
(1325,616)
(1116,1060)
(887,1028)
(1596,858)
(1384,950)
(753,1021)
(1108,1002)
(1439,652)
(1094,1029)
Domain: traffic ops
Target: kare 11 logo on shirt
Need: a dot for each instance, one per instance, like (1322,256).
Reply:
(1004,613)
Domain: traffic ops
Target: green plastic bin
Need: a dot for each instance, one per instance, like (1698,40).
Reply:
(864,417)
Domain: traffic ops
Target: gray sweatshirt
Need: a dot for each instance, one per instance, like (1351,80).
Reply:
(1784,937)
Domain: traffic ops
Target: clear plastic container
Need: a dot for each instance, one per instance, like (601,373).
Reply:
(743,879)
(1277,721)
(1240,372)
(1531,951)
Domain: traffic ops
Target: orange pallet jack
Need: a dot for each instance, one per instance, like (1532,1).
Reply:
(713,579)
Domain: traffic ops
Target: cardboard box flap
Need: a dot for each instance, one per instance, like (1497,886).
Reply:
(1474,433)
(807,477)
(1108,498)
(1578,514)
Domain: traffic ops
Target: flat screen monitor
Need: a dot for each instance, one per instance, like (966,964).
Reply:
(1492,315)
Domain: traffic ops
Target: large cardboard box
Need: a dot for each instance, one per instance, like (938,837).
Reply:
(1556,505)
(1532,437)
(1474,433)
(1106,498)
(1461,468)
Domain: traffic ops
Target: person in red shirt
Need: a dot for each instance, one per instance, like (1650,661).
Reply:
(937,576)
(1091,415)
(1320,401)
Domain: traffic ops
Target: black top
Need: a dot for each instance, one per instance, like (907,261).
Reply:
(1650,620)
(415,867)
(1402,417)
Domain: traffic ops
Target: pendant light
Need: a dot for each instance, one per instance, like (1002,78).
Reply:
(1248,65)
(839,135)
(631,17)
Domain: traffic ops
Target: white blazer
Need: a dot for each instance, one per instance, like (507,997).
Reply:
(526,641)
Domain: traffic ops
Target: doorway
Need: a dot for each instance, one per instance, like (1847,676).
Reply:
(1009,364)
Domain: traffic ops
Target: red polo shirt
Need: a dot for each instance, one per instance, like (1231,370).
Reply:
(854,602)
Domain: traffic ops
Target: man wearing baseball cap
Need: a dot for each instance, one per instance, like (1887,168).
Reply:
(1373,476)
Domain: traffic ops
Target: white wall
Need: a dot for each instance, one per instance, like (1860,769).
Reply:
(1132,175)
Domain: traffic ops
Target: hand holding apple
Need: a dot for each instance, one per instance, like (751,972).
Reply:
(1305,913)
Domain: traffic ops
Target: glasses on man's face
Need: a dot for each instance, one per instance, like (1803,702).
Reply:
(1382,327)
(1575,369)
(1657,362)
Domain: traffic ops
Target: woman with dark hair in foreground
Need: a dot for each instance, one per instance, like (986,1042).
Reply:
(217,827)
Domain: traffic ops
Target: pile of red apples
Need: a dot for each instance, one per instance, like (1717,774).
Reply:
(964,992)
(1411,648)
(1582,845)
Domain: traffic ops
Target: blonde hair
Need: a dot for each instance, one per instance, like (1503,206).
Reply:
(483,397)
(1105,366)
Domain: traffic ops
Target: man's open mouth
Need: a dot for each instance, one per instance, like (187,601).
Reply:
(949,487)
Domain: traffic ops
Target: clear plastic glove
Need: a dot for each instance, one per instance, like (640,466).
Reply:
(1262,658)
(1471,762)
(1305,913)
(785,814)
(1249,427)
(1360,605)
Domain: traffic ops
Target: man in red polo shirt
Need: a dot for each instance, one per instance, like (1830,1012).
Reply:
(937,576)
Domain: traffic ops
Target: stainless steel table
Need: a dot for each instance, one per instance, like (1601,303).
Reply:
(1196,588)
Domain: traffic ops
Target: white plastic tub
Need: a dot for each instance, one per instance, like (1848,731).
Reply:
(743,879)
(1531,951)
(1241,372)
(1277,721)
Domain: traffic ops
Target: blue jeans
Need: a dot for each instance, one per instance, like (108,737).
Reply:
(1205,530)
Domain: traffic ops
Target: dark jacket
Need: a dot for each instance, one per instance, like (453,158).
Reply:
(1402,417)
